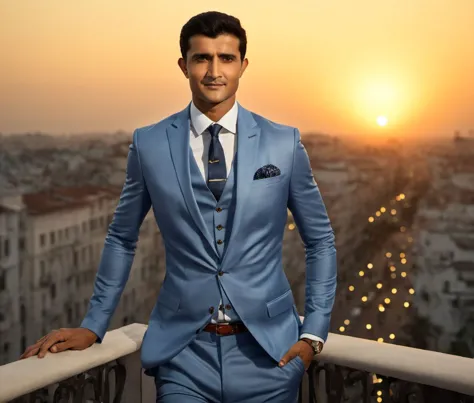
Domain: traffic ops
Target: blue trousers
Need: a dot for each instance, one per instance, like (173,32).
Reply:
(227,369)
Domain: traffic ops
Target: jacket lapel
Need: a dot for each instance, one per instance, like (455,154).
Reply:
(248,135)
(178,139)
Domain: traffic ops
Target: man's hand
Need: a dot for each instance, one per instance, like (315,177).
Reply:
(301,348)
(60,340)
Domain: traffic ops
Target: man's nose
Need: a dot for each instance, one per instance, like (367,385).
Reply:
(213,69)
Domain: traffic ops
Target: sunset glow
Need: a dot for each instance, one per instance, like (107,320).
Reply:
(382,121)
(320,66)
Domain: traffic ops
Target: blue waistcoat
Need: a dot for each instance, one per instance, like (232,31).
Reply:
(218,217)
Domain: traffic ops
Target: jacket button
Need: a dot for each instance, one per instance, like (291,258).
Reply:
(219,227)
(228,307)
(211,309)
(219,242)
(218,209)
(221,273)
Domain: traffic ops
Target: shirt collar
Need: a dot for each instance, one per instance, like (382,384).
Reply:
(200,122)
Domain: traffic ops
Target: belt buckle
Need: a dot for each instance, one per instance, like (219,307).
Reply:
(218,333)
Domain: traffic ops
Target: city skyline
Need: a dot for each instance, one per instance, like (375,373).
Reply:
(375,69)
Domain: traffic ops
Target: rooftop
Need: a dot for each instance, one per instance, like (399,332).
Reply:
(65,198)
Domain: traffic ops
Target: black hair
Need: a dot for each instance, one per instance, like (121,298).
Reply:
(212,24)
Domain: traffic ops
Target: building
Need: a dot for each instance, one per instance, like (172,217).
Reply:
(54,243)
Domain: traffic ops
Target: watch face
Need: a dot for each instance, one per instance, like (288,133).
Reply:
(317,346)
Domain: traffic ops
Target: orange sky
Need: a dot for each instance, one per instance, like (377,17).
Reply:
(322,65)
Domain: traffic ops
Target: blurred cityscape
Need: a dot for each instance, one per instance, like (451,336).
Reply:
(403,215)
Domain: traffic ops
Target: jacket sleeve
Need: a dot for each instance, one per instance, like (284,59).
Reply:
(311,218)
(119,246)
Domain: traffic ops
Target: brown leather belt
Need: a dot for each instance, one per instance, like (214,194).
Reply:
(225,329)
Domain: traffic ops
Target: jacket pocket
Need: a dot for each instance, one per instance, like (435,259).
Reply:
(280,304)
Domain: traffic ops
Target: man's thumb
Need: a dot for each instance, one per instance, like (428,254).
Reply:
(287,357)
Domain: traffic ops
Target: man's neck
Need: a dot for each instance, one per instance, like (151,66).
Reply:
(214,111)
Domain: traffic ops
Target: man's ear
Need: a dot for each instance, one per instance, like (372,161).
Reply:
(182,66)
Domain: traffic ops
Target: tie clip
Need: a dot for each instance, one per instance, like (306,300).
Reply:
(216,180)
(213,161)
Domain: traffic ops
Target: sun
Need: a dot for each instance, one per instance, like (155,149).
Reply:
(382,121)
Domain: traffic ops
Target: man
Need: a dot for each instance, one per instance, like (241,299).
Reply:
(220,179)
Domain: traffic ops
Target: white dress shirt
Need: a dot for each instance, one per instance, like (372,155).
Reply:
(200,139)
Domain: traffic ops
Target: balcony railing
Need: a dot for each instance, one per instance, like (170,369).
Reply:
(349,370)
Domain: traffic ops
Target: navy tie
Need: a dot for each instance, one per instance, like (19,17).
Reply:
(216,169)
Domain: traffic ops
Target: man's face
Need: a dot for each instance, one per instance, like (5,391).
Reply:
(213,67)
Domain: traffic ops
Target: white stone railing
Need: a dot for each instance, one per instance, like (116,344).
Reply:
(119,353)
(121,347)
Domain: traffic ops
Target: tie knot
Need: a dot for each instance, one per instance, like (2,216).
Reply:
(214,129)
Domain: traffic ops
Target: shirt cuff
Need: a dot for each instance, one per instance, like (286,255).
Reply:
(311,337)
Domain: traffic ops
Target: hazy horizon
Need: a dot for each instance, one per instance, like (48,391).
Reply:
(84,67)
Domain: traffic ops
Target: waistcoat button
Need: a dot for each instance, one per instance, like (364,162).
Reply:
(218,209)
(211,309)
(220,241)
(219,227)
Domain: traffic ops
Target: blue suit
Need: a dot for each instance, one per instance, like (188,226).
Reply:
(245,265)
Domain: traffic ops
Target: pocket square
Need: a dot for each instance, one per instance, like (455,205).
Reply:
(267,171)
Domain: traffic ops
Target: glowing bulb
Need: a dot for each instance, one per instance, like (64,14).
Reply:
(347,322)
(387,300)
(392,336)
(411,291)
(371,219)
(361,273)
(351,288)
(364,299)
(341,329)
(406,304)
(370,265)
(403,274)
(368,326)
(379,285)
(394,290)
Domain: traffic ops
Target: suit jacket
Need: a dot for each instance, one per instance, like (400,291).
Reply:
(158,177)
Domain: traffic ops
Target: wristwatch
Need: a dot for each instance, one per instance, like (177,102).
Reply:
(316,345)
